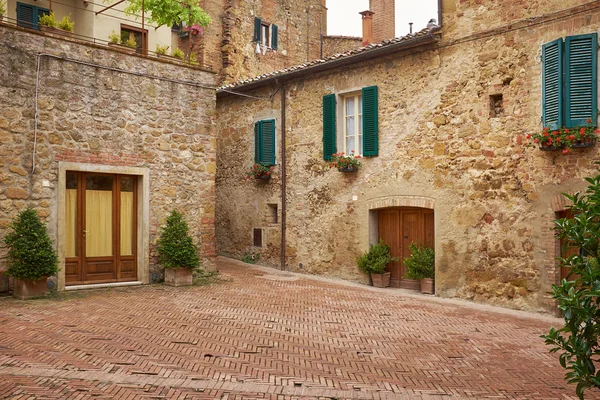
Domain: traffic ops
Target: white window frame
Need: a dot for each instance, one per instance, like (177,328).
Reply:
(358,133)
(265,34)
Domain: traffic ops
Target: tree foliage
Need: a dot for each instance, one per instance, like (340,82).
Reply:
(578,296)
(375,260)
(31,254)
(171,12)
(175,246)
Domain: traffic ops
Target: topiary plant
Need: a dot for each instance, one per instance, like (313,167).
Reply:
(578,296)
(31,255)
(375,260)
(175,246)
(421,263)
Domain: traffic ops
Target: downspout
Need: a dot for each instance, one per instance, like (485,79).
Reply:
(283,181)
(440,13)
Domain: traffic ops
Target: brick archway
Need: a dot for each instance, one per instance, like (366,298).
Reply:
(401,201)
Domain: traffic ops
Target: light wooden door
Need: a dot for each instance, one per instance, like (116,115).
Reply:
(100,233)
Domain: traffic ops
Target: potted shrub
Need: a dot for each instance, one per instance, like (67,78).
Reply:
(178,53)
(161,50)
(122,42)
(31,255)
(374,261)
(260,171)
(176,251)
(345,163)
(49,24)
(421,266)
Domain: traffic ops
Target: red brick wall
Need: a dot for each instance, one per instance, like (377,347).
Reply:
(384,20)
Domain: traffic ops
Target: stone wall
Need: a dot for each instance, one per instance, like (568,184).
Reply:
(339,44)
(439,142)
(99,116)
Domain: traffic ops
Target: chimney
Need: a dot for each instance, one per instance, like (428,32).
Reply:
(367,22)
(384,21)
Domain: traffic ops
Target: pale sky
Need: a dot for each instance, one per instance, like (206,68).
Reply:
(343,18)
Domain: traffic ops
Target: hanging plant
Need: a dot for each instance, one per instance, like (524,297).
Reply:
(565,139)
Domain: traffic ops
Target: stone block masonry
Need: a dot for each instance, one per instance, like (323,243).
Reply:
(95,116)
(440,147)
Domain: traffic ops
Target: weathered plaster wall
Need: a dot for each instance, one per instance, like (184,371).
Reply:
(339,44)
(494,197)
(96,116)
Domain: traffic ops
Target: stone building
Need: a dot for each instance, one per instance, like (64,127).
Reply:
(446,115)
(104,145)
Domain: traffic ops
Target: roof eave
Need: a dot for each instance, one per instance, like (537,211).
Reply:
(432,37)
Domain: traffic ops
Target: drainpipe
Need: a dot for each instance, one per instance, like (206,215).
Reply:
(283,182)
(440,13)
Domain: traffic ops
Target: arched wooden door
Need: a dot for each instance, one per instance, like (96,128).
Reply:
(399,227)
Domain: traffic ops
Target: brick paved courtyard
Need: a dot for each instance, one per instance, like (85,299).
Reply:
(260,333)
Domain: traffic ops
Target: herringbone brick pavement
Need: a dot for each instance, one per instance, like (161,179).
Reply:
(263,334)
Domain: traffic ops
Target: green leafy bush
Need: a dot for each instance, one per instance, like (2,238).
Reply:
(578,296)
(114,37)
(48,20)
(31,254)
(175,246)
(375,260)
(66,24)
(178,53)
(162,50)
(421,263)
(251,258)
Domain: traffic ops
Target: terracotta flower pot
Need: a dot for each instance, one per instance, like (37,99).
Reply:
(427,286)
(178,277)
(24,289)
(381,280)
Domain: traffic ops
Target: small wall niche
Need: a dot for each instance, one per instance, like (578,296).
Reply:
(257,237)
(272,210)
(496,106)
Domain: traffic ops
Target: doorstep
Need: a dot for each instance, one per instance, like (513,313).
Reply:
(102,285)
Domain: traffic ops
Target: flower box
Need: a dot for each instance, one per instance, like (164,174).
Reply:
(549,147)
(585,142)
(263,177)
(348,168)
(564,138)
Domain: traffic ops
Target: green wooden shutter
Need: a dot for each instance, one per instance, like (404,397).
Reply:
(581,90)
(25,14)
(274,36)
(257,141)
(370,122)
(257,24)
(268,142)
(552,84)
(329,141)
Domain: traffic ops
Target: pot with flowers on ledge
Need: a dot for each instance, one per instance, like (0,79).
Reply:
(260,171)
(565,139)
(345,163)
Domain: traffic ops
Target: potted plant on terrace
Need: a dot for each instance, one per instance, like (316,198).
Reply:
(260,171)
(565,139)
(49,24)
(31,255)
(345,163)
(421,266)
(176,251)
(374,261)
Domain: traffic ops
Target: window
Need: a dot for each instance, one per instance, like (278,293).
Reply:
(139,35)
(360,128)
(28,16)
(569,81)
(266,34)
(352,124)
(264,142)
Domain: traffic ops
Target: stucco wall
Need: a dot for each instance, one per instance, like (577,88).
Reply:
(90,115)
(493,197)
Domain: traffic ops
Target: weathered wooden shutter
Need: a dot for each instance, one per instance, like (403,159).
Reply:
(274,36)
(25,14)
(552,84)
(370,121)
(329,140)
(257,141)
(581,54)
(257,24)
(268,142)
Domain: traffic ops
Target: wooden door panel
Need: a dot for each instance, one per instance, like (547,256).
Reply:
(429,233)
(389,232)
(412,231)
(72,270)
(99,269)
(128,269)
